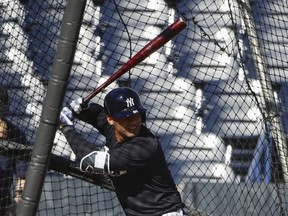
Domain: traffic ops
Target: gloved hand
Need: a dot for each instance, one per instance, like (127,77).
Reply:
(78,105)
(66,117)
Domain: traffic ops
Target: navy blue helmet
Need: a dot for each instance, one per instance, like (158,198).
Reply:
(123,102)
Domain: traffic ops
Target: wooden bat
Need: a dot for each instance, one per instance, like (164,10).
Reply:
(146,51)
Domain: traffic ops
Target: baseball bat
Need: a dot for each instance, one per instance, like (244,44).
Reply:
(146,51)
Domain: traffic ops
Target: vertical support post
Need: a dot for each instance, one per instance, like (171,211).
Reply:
(273,116)
(36,173)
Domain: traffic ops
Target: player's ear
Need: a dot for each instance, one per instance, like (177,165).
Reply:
(110,120)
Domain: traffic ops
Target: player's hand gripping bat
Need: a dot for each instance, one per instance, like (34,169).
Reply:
(146,51)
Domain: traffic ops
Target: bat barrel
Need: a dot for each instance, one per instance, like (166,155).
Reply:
(165,36)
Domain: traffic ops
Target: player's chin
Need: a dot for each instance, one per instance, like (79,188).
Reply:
(131,132)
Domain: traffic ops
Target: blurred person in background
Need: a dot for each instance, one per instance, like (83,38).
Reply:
(10,166)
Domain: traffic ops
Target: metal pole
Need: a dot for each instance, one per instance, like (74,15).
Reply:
(273,116)
(72,20)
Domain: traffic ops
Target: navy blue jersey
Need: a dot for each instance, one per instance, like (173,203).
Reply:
(143,183)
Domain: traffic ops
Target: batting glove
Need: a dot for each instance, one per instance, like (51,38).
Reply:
(78,105)
(66,117)
(97,162)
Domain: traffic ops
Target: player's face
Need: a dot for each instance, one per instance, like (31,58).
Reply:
(126,127)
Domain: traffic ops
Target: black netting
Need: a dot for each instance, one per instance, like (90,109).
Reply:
(204,91)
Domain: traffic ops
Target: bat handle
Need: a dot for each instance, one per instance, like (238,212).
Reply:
(97,90)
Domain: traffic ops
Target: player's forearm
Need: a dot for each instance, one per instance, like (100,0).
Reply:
(78,144)
(90,114)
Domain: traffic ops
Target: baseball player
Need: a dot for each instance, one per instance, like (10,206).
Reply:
(132,156)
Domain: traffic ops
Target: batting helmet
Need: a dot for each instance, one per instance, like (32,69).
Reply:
(123,102)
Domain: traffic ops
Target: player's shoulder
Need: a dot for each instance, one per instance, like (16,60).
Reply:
(143,146)
(145,132)
(145,137)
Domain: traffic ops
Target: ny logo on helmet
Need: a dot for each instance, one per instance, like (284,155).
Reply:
(130,102)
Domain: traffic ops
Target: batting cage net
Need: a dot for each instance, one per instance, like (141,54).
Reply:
(215,94)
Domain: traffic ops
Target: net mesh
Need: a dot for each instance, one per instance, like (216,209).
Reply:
(203,95)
